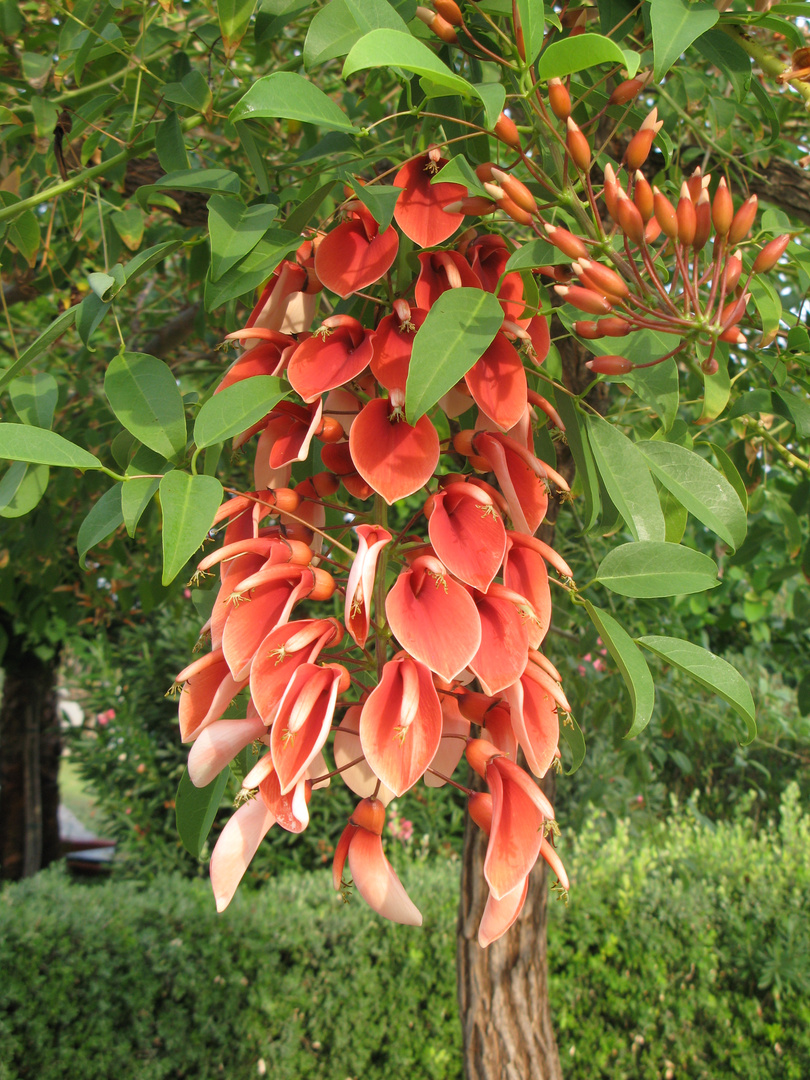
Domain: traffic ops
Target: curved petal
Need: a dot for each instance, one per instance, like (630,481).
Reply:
(524,571)
(236,846)
(467,534)
(504,649)
(376,881)
(390,455)
(348,258)
(329,359)
(518,816)
(535,723)
(401,724)
(303,722)
(283,651)
(208,691)
(419,210)
(524,490)
(499,915)
(497,383)
(434,618)
(259,608)
(360,586)
(392,345)
(346,748)
(218,745)
(455,730)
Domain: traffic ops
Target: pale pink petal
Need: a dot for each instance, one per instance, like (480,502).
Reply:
(376,881)
(236,846)
(217,746)
(499,915)
(359,778)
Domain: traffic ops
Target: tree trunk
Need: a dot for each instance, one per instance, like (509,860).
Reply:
(507,1030)
(30,748)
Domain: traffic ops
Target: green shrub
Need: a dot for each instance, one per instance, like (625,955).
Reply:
(685,953)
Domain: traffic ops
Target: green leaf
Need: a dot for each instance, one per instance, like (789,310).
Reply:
(236,408)
(393,48)
(719,49)
(571,733)
(709,671)
(129,224)
(797,410)
(21,442)
(533,254)
(716,391)
(657,387)
(458,330)
(235,230)
(189,504)
(144,395)
(170,145)
(106,286)
(675,517)
(204,181)
(803,695)
(380,199)
(195,810)
(138,491)
(104,518)
(587,478)
(341,23)
(22,488)
(193,90)
(89,315)
(145,260)
(253,270)
(699,487)
(59,325)
(631,664)
(730,471)
(284,94)
(234,19)
(675,25)
(562,58)
(767,302)
(493,96)
(532,22)
(34,398)
(627,479)
(651,568)
(459,171)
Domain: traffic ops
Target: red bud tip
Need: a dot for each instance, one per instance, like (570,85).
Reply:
(588,330)
(516,190)
(630,220)
(722,209)
(614,326)
(609,365)
(643,197)
(743,221)
(515,212)
(479,753)
(506,130)
(734,336)
(687,220)
(438,24)
(584,299)
(665,214)
(695,184)
(626,91)
(733,272)
(559,99)
(639,148)
(370,815)
(771,254)
(703,221)
(578,146)
(450,11)
(566,242)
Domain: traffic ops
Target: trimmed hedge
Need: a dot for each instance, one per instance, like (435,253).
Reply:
(685,955)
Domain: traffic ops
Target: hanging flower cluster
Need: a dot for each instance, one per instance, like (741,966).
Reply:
(429,643)
(439,649)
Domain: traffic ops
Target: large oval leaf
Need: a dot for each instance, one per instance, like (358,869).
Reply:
(22,442)
(393,48)
(698,487)
(34,397)
(292,97)
(22,488)
(195,810)
(710,671)
(104,518)
(650,569)
(189,504)
(236,408)
(562,58)
(587,479)
(458,330)
(675,25)
(630,663)
(627,479)
(145,397)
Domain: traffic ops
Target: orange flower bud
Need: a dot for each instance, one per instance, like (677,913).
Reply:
(627,91)
(614,326)
(703,221)
(324,586)
(610,191)
(284,499)
(771,254)
(643,197)
(450,11)
(652,230)
(733,335)
(588,330)
(325,483)
(515,212)
(601,278)
(438,24)
(665,214)
(630,220)
(584,299)
(473,206)
(695,184)
(687,221)
(506,130)
(609,365)
(722,209)
(638,149)
(578,146)
(484,171)
(733,272)
(566,242)
(559,99)
(331,430)
(742,221)
(516,190)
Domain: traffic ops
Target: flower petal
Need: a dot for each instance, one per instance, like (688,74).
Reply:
(390,455)
(376,881)
(236,846)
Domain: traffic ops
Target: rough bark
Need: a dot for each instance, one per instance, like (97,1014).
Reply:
(507,1030)
(30,748)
